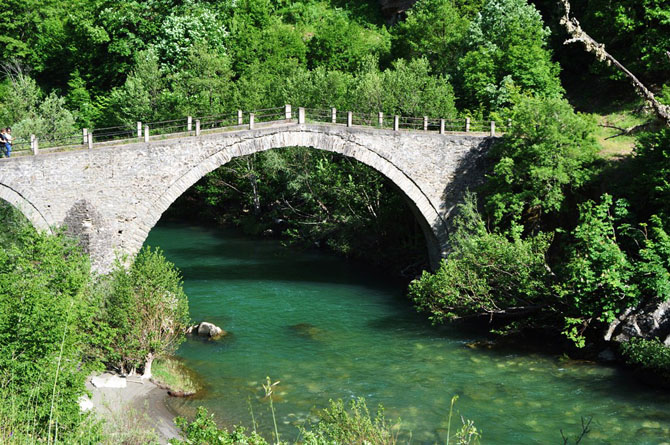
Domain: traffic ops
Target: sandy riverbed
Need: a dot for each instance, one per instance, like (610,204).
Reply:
(140,404)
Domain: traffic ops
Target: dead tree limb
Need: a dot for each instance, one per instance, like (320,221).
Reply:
(577,34)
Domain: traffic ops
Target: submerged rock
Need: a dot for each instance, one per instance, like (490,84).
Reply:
(307,330)
(206,329)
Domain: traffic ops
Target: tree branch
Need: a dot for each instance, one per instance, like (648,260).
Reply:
(577,34)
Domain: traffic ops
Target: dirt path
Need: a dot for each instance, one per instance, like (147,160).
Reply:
(132,403)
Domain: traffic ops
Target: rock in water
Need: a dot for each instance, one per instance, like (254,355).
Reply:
(307,330)
(210,330)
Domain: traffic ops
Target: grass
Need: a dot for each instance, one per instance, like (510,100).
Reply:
(626,116)
(173,374)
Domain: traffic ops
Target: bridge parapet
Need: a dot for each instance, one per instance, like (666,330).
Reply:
(241,120)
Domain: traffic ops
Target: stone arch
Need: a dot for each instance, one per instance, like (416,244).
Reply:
(427,215)
(31,212)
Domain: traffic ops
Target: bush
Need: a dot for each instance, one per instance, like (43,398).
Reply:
(651,354)
(147,310)
(486,272)
(45,310)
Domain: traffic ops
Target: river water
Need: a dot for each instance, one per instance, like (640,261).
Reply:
(327,329)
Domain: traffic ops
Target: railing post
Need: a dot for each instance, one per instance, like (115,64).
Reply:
(287,112)
(493,128)
(85,135)
(467,124)
(301,115)
(139,129)
(333,115)
(240,117)
(189,123)
(34,144)
(350,118)
(252,117)
(425,123)
(197,127)
(396,123)
(441,126)
(381,119)
(89,139)
(146,133)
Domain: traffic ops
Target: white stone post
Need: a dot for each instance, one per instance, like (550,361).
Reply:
(380,119)
(287,112)
(240,117)
(396,123)
(467,124)
(493,128)
(146,133)
(197,127)
(189,123)
(350,118)
(441,126)
(301,115)
(333,115)
(85,135)
(251,121)
(89,139)
(425,123)
(33,144)
(139,129)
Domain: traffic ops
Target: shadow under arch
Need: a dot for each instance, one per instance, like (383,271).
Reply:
(432,224)
(32,214)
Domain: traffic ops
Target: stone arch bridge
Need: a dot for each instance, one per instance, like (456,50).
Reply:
(111,194)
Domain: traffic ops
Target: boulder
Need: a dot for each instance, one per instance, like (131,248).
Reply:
(648,321)
(206,329)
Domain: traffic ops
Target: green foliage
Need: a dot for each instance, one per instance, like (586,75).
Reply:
(146,309)
(650,354)
(353,425)
(203,430)
(507,46)
(637,32)
(434,29)
(651,187)
(598,274)
(486,272)
(547,154)
(45,310)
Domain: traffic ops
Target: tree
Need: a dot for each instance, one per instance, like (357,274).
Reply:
(547,154)
(506,44)
(147,310)
(487,273)
(434,29)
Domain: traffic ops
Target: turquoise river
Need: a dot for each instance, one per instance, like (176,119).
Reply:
(327,329)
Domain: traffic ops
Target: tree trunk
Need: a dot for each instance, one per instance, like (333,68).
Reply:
(147,366)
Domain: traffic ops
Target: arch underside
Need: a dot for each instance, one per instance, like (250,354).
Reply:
(429,219)
(31,212)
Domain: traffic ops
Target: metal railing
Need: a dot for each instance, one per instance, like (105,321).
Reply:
(189,126)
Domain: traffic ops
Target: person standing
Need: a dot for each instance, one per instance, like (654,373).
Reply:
(8,141)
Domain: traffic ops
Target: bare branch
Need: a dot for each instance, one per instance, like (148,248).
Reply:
(577,34)
(625,131)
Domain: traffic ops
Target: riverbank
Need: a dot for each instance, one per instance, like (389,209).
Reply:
(132,406)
